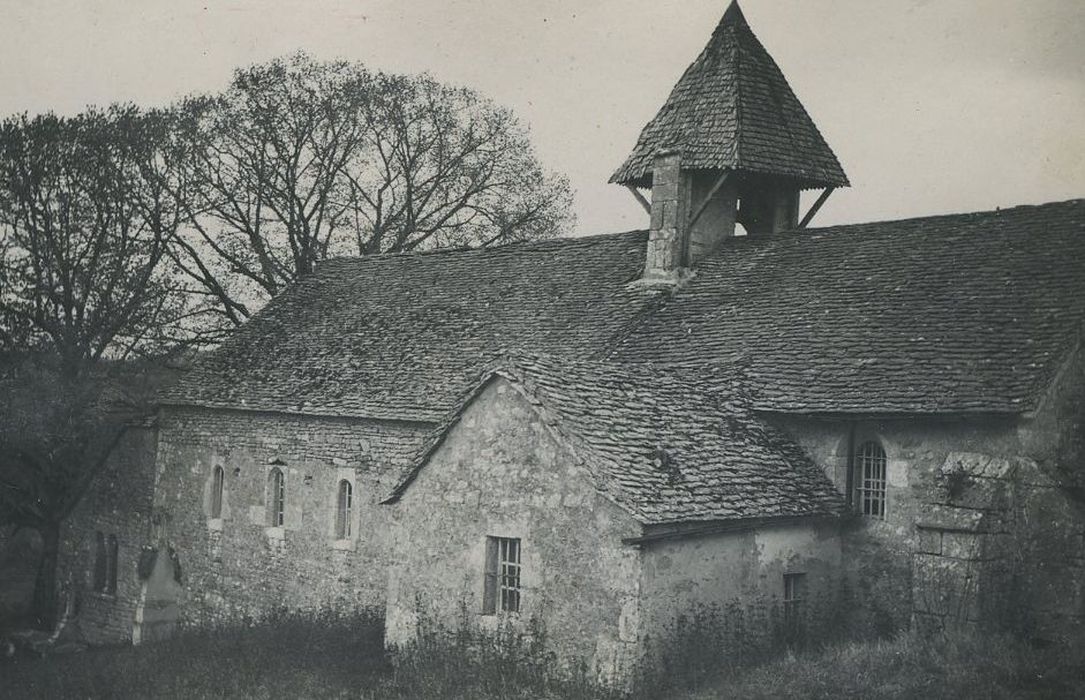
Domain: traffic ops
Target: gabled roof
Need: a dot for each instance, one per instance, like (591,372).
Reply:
(401,336)
(733,108)
(668,446)
(945,314)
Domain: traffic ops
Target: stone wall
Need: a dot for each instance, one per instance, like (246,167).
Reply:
(118,503)
(239,566)
(931,554)
(1000,545)
(501,472)
(735,582)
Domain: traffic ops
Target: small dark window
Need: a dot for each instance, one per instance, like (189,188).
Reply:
(344,504)
(794,599)
(101,566)
(216,492)
(111,573)
(502,581)
(277,498)
(106,552)
(870,479)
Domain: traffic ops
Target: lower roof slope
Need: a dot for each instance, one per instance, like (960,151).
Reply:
(960,313)
(668,446)
(400,336)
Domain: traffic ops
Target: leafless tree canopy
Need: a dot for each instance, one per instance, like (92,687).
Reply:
(86,213)
(300,160)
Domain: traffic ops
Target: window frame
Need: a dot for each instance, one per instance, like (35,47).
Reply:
(871,479)
(276,502)
(218,485)
(100,572)
(344,511)
(794,599)
(503,577)
(112,555)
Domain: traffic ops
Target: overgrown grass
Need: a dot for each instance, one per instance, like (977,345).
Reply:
(322,656)
(910,665)
(330,657)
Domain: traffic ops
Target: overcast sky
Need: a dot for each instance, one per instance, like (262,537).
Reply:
(931,105)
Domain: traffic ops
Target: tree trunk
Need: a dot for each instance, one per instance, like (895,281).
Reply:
(45,583)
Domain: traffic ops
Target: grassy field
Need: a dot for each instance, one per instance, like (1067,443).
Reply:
(336,658)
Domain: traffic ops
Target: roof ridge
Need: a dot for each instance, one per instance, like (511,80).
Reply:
(557,241)
(738,87)
(931,217)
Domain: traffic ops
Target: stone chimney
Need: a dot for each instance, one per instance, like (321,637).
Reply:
(686,222)
(666,256)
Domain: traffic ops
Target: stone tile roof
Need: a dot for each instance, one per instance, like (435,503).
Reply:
(733,108)
(962,313)
(669,446)
(400,336)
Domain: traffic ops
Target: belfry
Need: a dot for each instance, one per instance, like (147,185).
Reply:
(732,144)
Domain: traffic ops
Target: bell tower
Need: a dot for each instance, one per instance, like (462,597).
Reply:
(732,144)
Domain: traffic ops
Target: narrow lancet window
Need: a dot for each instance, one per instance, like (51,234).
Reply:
(276,498)
(344,505)
(217,478)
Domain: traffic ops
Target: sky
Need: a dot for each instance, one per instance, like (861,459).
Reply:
(932,106)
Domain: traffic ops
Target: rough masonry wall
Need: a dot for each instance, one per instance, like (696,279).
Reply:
(733,582)
(502,473)
(118,503)
(930,546)
(242,567)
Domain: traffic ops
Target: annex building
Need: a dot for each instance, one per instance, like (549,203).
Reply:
(603,435)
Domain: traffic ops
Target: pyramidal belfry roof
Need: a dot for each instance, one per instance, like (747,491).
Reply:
(733,108)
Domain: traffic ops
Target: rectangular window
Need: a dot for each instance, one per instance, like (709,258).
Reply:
(794,597)
(106,554)
(111,565)
(871,467)
(502,582)
(101,566)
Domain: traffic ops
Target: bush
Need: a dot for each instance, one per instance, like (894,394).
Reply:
(328,656)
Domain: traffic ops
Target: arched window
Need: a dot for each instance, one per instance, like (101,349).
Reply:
(277,497)
(111,573)
(344,502)
(870,479)
(100,564)
(217,478)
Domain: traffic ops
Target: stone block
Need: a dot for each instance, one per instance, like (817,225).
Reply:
(656,218)
(667,190)
(962,545)
(930,541)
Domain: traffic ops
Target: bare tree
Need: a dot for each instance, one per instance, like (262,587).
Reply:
(300,160)
(87,206)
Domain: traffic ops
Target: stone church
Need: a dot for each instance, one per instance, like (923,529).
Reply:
(604,434)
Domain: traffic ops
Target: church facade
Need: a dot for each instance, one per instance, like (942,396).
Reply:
(604,435)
